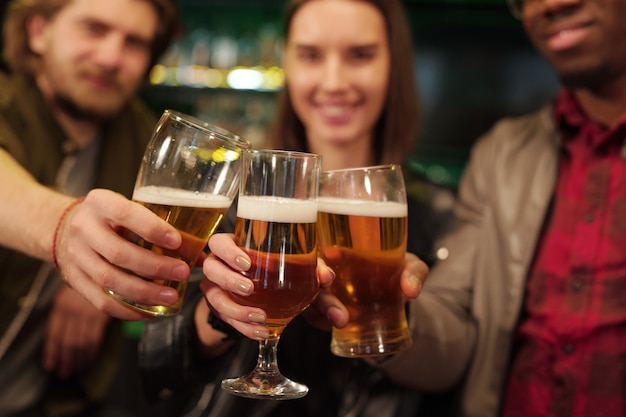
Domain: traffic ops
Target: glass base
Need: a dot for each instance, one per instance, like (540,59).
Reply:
(265,386)
(153,310)
(368,348)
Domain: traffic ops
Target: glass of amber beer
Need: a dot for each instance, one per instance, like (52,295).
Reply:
(362,227)
(189,176)
(276,226)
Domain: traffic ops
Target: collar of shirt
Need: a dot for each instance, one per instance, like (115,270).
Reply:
(576,126)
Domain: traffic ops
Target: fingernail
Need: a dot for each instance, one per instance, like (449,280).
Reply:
(414,283)
(180,271)
(335,317)
(172,240)
(262,333)
(256,318)
(244,287)
(168,297)
(242,263)
(332,272)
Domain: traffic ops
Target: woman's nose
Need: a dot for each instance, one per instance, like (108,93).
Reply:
(335,74)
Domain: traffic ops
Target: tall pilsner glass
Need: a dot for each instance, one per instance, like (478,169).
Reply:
(362,226)
(276,226)
(189,177)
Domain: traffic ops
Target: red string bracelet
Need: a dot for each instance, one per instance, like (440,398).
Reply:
(58,227)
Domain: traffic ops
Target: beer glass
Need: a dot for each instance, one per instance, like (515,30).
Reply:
(362,227)
(189,176)
(276,226)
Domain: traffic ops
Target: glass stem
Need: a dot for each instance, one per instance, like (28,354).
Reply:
(267,361)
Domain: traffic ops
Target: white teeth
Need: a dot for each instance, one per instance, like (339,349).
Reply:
(335,110)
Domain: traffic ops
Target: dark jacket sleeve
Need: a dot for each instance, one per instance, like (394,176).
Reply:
(176,379)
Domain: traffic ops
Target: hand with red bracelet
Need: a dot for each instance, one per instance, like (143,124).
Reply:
(81,238)
(92,256)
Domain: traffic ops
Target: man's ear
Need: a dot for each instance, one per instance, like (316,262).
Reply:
(36,29)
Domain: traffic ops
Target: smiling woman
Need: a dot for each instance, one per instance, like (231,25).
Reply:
(337,66)
(350,96)
(350,91)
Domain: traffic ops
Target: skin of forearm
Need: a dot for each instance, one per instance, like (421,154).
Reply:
(29,211)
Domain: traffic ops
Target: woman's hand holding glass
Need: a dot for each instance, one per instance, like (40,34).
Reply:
(223,271)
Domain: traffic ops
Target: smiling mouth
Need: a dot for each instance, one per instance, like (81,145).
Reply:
(334,111)
(567,38)
(102,83)
(566,35)
(99,80)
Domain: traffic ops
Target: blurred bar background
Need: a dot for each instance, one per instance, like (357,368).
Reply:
(473,63)
(473,66)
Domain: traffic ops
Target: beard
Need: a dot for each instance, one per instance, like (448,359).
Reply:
(81,111)
(584,78)
(77,99)
(581,70)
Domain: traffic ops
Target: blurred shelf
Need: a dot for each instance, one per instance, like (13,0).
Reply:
(256,78)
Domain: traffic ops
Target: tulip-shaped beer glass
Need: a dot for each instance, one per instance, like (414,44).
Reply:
(189,177)
(276,226)
(362,226)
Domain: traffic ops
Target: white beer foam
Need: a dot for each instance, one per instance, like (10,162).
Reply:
(277,209)
(168,196)
(354,207)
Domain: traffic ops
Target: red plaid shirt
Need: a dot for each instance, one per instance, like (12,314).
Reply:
(570,349)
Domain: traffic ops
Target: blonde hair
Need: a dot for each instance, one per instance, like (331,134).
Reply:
(20,58)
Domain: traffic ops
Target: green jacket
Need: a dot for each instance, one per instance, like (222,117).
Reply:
(30,134)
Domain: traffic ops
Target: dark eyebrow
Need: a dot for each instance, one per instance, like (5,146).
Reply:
(304,46)
(95,22)
(366,47)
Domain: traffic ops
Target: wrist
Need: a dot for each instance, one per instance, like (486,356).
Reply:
(56,238)
(214,337)
(229,332)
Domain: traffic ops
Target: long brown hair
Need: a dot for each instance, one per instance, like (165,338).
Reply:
(18,54)
(396,129)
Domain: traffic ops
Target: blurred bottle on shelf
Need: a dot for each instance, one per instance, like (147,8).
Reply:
(203,68)
(270,46)
(200,47)
(203,58)
(224,50)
